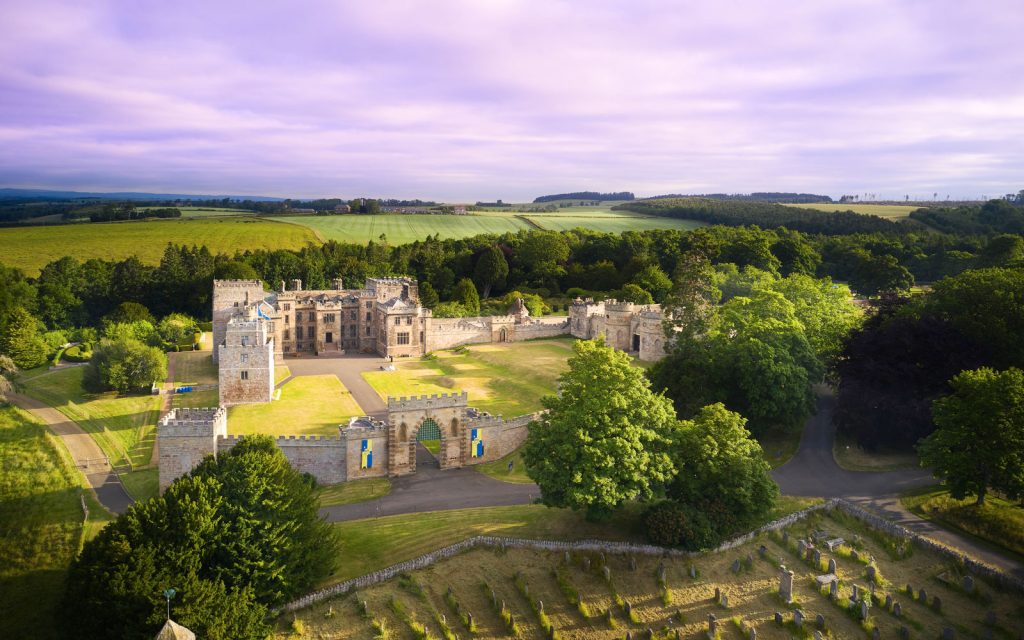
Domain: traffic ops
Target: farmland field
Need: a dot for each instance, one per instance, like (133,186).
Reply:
(880,210)
(31,248)
(608,222)
(206,212)
(402,229)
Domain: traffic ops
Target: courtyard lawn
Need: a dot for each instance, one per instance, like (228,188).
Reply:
(40,524)
(30,248)
(999,523)
(579,600)
(142,484)
(354,491)
(506,379)
(124,426)
(194,367)
(498,469)
(196,399)
(403,229)
(309,405)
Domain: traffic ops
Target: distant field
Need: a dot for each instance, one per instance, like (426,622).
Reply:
(402,229)
(206,212)
(609,222)
(880,210)
(31,248)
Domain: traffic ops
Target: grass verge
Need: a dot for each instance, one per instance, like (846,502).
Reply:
(850,456)
(142,484)
(354,491)
(999,523)
(498,469)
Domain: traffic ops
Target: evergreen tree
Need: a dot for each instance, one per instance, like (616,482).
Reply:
(491,270)
(428,295)
(21,340)
(466,295)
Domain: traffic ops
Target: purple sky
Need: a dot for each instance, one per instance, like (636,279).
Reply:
(500,99)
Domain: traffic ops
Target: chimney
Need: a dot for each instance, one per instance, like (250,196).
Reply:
(296,285)
(337,284)
(283,289)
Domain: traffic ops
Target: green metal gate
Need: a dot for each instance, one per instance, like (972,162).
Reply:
(429,430)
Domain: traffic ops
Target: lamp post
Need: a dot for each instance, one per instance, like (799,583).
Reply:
(169,594)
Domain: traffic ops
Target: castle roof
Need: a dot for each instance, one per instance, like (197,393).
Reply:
(174,631)
(399,304)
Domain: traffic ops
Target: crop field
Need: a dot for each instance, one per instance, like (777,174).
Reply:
(402,229)
(539,594)
(31,248)
(610,222)
(206,212)
(880,210)
(505,379)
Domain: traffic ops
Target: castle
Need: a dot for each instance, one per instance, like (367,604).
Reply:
(254,329)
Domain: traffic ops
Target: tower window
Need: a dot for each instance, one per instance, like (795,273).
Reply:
(403,337)
(245,358)
(245,375)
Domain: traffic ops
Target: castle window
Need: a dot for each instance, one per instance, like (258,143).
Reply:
(312,316)
(236,304)
(287,349)
(369,304)
(368,316)
(408,320)
(455,427)
(245,375)
(351,330)
(298,333)
(287,307)
(287,334)
(286,319)
(352,314)
(329,317)
(403,337)
(245,341)
(367,330)
(398,321)
(245,358)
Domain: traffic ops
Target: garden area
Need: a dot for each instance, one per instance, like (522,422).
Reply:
(309,406)
(596,595)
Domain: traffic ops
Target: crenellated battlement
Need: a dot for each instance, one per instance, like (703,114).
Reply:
(237,284)
(428,402)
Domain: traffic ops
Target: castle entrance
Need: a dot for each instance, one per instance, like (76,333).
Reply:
(428,439)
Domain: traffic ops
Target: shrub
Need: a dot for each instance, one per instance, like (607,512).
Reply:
(125,365)
(672,524)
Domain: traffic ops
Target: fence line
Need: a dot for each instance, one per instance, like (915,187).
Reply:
(871,519)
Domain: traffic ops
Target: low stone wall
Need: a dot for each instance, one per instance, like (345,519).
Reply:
(870,519)
(324,458)
(541,328)
(501,437)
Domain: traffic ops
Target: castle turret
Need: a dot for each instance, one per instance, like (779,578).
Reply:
(184,437)
(246,362)
(230,298)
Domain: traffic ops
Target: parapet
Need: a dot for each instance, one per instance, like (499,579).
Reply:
(237,284)
(193,422)
(428,402)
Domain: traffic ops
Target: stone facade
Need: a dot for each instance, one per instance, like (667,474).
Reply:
(245,363)
(468,437)
(636,329)
(184,437)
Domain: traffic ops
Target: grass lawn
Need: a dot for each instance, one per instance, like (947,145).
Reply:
(611,222)
(142,484)
(31,248)
(123,426)
(778,448)
(433,446)
(309,405)
(684,604)
(505,379)
(280,373)
(196,399)
(498,469)
(999,522)
(194,367)
(354,491)
(402,229)
(880,210)
(849,455)
(40,524)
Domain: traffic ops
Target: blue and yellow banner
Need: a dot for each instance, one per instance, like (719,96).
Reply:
(366,461)
(476,447)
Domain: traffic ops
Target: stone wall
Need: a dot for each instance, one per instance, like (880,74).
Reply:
(500,437)
(447,333)
(323,457)
(378,438)
(407,415)
(549,327)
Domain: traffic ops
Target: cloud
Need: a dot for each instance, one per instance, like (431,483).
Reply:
(463,100)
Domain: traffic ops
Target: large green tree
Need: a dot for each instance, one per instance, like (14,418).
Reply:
(491,270)
(466,295)
(979,441)
(125,365)
(21,339)
(604,439)
(240,534)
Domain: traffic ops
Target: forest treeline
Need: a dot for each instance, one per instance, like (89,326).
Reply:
(757,196)
(586,195)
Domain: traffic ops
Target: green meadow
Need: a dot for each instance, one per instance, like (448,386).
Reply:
(880,210)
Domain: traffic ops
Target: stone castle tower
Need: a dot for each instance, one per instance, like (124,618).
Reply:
(245,363)
(231,297)
(185,437)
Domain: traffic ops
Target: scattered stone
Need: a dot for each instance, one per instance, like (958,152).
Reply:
(785,537)
(762,551)
(825,579)
(693,571)
(752,636)
(627,607)
(608,615)
(607,573)
(897,609)
(817,558)
(786,585)
(831,565)
(801,547)
(502,605)
(736,566)
(450,590)
(724,601)
(834,543)
(568,557)
(817,636)
(876,634)
(511,620)
(586,564)
(871,572)
(809,553)
(909,590)
(778,618)
(922,596)
(650,633)
(798,618)
(629,636)
(632,563)
(864,610)
(937,604)
(469,619)
(854,555)
(662,573)
(819,621)
(833,589)
(712,625)
(872,588)
(948,633)
(540,605)
(749,561)
(855,596)
(968,584)
(820,535)
(551,633)
(604,560)
(718,594)
(888,602)
(904,632)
